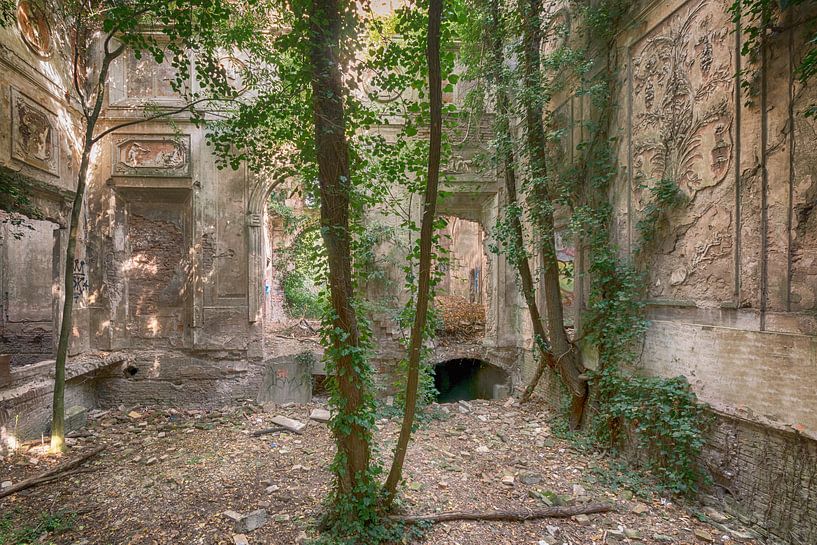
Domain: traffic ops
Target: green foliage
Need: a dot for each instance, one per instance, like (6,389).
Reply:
(299,294)
(760,22)
(39,531)
(7,12)
(304,265)
(383,531)
(665,195)
(663,417)
(617,475)
(15,200)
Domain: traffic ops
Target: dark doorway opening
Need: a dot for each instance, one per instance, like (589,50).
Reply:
(465,378)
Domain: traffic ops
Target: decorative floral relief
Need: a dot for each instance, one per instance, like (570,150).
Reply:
(164,156)
(682,111)
(682,78)
(34,134)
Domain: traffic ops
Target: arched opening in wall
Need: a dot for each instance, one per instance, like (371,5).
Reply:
(294,267)
(302,269)
(462,295)
(467,378)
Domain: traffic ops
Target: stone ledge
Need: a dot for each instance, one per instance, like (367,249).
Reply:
(34,380)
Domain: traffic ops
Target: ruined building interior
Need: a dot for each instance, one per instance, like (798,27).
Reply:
(179,296)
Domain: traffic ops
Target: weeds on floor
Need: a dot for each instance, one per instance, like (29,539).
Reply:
(47,523)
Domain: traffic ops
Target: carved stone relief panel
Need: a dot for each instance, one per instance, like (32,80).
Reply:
(34,135)
(145,78)
(681,121)
(152,155)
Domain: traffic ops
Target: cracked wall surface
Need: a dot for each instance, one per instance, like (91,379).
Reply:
(730,270)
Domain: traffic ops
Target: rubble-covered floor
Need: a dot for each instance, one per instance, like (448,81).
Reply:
(168,476)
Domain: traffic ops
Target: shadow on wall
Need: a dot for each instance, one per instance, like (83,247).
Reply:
(464,379)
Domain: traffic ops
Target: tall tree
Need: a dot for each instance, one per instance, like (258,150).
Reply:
(101,34)
(541,211)
(418,328)
(516,252)
(334,177)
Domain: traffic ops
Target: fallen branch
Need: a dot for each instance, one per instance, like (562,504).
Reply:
(59,471)
(271,430)
(45,479)
(509,516)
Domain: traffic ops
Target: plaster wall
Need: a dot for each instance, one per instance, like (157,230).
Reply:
(731,290)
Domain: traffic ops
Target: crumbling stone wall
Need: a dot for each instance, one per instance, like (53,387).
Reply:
(155,278)
(767,476)
(730,272)
(26,278)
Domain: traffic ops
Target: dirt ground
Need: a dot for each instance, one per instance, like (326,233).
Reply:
(168,475)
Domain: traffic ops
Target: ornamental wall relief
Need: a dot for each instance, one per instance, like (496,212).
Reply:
(682,101)
(152,155)
(34,137)
(682,111)
(34,28)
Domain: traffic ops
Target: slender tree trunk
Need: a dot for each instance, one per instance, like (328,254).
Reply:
(541,209)
(58,403)
(426,239)
(335,186)
(520,258)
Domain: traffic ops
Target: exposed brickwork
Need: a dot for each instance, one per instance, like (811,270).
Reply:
(156,253)
(770,475)
(27,342)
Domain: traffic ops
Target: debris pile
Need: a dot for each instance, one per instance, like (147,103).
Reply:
(459,318)
(247,475)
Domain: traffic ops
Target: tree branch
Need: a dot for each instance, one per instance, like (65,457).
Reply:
(160,115)
(51,473)
(509,516)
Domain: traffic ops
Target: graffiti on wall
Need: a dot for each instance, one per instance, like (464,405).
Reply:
(80,279)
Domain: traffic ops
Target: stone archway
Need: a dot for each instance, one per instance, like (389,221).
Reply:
(469,378)
(256,207)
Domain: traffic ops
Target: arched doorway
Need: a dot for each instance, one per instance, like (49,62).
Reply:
(467,378)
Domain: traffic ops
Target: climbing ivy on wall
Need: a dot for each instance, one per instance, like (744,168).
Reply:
(661,416)
(761,21)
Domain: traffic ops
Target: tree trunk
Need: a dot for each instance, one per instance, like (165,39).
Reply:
(520,258)
(426,239)
(541,210)
(332,152)
(58,403)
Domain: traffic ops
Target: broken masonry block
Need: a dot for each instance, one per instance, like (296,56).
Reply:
(292,425)
(320,415)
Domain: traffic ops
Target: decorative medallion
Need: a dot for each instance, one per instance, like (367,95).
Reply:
(152,155)
(234,70)
(34,28)
(34,138)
